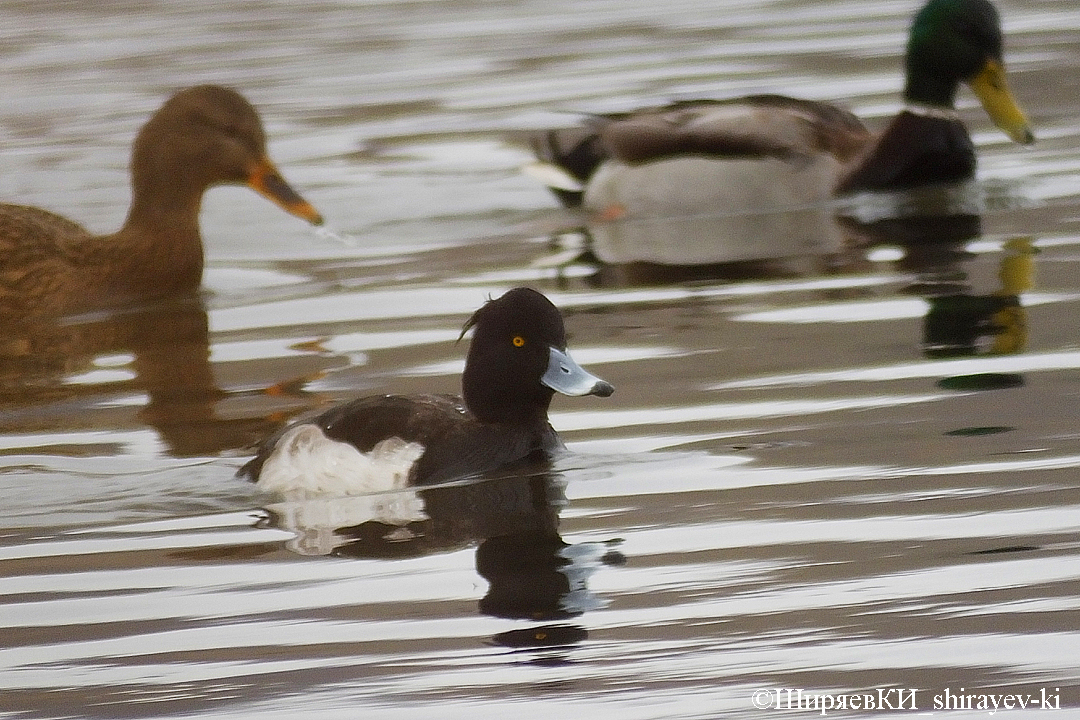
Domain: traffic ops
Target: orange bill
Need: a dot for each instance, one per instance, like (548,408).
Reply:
(265,179)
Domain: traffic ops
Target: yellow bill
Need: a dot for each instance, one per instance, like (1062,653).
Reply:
(993,92)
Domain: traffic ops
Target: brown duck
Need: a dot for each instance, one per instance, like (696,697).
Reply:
(201,137)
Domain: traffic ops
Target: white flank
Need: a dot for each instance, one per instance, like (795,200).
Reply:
(701,185)
(552,176)
(306,462)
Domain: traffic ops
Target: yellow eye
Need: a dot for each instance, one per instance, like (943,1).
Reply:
(518,341)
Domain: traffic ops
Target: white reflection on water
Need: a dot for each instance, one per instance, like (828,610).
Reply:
(249,635)
(701,472)
(884,529)
(585,419)
(137,442)
(241,350)
(1029,362)
(147,543)
(451,300)
(890,309)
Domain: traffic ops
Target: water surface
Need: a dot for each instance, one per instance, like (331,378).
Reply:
(838,460)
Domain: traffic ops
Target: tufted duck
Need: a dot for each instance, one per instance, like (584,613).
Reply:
(517,360)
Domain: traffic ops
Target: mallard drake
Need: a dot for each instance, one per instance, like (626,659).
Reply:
(201,137)
(769,151)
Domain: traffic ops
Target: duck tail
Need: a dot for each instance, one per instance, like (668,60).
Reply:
(566,159)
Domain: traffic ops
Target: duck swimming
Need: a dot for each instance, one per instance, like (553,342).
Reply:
(770,151)
(517,360)
(203,136)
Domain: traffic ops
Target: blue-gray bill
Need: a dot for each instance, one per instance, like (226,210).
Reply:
(566,376)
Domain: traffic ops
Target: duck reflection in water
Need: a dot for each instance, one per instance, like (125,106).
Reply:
(512,519)
(960,321)
(159,351)
(964,324)
(747,246)
(69,297)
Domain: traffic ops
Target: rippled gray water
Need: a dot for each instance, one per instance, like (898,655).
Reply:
(821,470)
